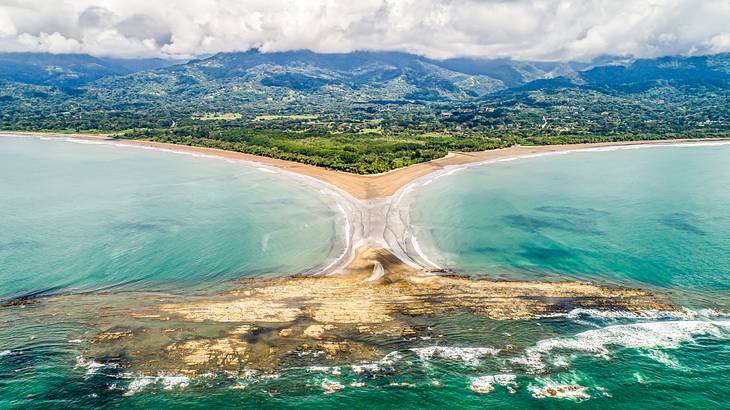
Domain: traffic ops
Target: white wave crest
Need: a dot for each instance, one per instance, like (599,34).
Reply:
(83,141)
(683,314)
(168,382)
(137,385)
(657,335)
(334,370)
(5,353)
(365,367)
(468,355)
(664,358)
(485,384)
(91,366)
(373,367)
(173,381)
(420,253)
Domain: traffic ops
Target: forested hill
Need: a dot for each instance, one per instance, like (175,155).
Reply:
(366,111)
(69,70)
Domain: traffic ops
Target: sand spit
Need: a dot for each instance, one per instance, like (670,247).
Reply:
(265,324)
(364,187)
(376,291)
(374,208)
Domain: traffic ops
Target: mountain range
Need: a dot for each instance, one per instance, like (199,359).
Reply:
(366,112)
(36,85)
(306,71)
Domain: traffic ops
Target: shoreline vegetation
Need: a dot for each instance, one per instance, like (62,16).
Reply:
(367,186)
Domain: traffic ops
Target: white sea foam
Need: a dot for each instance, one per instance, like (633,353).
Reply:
(485,384)
(365,367)
(372,367)
(653,335)
(420,253)
(665,358)
(391,358)
(174,382)
(91,366)
(334,370)
(348,249)
(137,385)
(683,314)
(82,141)
(168,382)
(5,353)
(468,355)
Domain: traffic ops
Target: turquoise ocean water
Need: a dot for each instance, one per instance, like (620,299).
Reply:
(657,218)
(88,217)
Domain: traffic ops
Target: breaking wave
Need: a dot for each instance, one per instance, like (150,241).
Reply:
(468,355)
(657,335)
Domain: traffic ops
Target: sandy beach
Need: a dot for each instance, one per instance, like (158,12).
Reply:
(381,287)
(375,208)
(368,186)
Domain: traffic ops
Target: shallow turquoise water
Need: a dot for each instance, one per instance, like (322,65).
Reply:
(654,217)
(82,217)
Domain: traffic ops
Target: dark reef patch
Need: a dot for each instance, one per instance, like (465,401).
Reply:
(534,224)
(573,211)
(682,221)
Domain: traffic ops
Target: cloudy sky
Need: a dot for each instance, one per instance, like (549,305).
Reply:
(521,29)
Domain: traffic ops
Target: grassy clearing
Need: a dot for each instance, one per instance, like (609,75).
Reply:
(286,117)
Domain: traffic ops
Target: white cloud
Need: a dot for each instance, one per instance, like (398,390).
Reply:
(7,28)
(522,29)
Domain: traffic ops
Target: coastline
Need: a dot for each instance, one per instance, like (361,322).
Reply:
(375,208)
(349,208)
(366,187)
(403,239)
(381,291)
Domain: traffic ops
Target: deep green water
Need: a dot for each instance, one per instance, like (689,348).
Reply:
(651,217)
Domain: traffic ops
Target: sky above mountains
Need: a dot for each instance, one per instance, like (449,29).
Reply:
(519,29)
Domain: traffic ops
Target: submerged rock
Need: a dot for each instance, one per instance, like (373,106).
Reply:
(266,322)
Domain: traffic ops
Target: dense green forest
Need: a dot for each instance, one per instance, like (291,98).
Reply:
(366,112)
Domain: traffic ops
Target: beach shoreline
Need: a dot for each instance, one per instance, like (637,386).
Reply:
(381,290)
(365,187)
(375,208)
